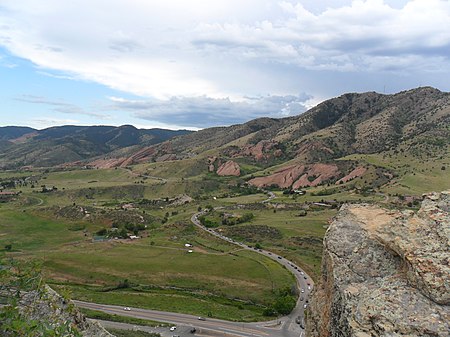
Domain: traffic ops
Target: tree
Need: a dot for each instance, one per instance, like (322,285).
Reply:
(284,304)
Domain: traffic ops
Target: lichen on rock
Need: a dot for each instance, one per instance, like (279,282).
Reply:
(385,273)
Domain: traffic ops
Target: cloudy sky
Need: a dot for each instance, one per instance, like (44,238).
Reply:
(199,63)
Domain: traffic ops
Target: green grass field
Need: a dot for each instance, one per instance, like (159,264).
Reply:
(217,279)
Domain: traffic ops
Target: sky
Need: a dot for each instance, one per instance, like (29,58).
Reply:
(201,63)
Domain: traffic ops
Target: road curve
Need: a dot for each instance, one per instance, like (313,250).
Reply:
(186,322)
(291,324)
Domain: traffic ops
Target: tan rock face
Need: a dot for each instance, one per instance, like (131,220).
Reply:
(385,273)
(229,168)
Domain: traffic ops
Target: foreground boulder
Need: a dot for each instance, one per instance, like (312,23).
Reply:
(385,273)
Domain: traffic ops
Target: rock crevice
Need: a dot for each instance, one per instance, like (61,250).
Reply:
(385,273)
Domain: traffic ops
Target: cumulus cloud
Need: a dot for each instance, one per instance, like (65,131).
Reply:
(189,56)
(348,38)
(203,111)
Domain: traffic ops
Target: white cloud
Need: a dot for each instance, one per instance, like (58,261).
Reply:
(59,106)
(46,122)
(202,111)
(188,57)
(348,38)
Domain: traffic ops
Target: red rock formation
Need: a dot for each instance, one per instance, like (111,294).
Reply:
(229,168)
(261,151)
(283,178)
(297,176)
(321,173)
(357,172)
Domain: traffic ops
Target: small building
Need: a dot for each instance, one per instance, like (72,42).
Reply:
(7,195)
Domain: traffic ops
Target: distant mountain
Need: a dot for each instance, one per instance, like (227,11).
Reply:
(14,132)
(21,146)
(352,123)
(415,121)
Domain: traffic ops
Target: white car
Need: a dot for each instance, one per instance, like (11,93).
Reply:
(303,290)
(305,306)
(173,328)
(126,309)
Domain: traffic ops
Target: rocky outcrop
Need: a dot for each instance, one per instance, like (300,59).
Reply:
(48,306)
(297,176)
(357,172)
(385,273)
(263,150)
(229,168)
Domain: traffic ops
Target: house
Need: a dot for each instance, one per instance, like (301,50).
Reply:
(7,195)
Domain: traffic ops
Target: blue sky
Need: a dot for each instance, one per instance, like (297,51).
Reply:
(194,64)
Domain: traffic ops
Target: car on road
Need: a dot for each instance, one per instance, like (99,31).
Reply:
(305,306)
(201,318)
(173,328)
(127,308)
(279,257)
(303,290)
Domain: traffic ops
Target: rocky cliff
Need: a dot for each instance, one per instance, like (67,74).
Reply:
(385,273)
(53,315)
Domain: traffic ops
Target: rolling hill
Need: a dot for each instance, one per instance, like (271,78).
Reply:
(415,122)
(21,146)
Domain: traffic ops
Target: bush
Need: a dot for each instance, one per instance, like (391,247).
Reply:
(284,304)
(102,232)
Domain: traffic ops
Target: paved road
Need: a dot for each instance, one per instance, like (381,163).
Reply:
(288,326)
(291,324)
(185,323)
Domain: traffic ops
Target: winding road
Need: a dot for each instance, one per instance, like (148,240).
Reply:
(292,324)
(287,326)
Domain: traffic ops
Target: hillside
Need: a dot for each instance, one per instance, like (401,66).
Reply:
(57,145)
(414,123)
(352,123)
(410,127)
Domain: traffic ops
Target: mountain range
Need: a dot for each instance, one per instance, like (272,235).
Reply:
(414,121)
(24,146)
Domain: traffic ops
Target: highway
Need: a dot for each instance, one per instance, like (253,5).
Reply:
(185,323)
(291,324)
(287,326)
